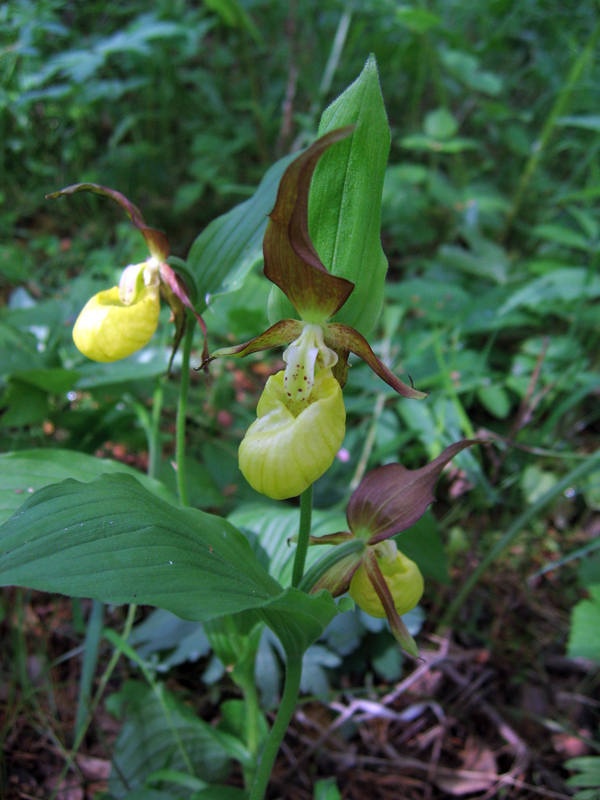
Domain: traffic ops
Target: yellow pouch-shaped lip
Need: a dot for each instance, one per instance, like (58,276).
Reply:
(290,445)
(404,581)
(107,330)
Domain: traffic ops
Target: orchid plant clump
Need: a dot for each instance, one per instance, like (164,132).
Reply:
(117,541)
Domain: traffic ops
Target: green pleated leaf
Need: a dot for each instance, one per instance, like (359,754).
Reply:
(115,541)
(24,472)
(345,198)
(230,245)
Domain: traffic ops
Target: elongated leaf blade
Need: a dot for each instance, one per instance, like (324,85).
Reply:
(26,471)
(345,198)
(230,245)
(115,541)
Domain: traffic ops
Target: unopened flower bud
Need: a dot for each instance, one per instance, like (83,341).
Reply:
(293,442)
(403,579)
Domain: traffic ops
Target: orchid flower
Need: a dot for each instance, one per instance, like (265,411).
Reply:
(369,565)
(117,322)
(301,415)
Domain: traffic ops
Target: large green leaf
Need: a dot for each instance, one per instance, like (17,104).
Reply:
(115,541)
(225,251)
(24,472)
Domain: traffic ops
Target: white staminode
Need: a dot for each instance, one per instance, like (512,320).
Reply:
(303,356)
(387,550)
(135,277)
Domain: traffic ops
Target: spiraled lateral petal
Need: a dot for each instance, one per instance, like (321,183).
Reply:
(390,499)
(398,627)
(283,332)
(344,339)
(291,261)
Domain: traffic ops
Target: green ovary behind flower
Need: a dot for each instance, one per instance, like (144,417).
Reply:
(403,578)
(108,330)
(291,444)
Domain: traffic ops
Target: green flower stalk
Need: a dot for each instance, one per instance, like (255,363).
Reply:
(117,322)
(367,562)
(301,417)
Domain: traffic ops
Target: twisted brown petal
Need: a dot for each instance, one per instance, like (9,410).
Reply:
(344,339)
(399,629)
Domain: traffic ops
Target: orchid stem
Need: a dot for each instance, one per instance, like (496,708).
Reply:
(182,411)
(154,438)
(282,720)
(306,501)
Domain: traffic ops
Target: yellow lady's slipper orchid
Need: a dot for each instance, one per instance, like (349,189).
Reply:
(109,329)
(402,576)
(381,580)
(115,323)
(293,441)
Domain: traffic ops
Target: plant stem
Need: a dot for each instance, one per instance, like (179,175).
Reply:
(306,500)
(576,474)
(154,450)
(182,410)
(557,110)
(282,720)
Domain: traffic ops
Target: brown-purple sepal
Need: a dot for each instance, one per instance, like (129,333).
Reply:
(391,498)
(176,293)
(398,627)
(291,261)
(283,332)
(338,577)
(156,240)
(344,339)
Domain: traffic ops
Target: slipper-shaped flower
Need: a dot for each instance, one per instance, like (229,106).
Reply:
(292,263)
(367,562)
(117,322)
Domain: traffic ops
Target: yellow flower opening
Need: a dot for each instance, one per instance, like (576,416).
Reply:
(115,323)
(293,441)
(402,576)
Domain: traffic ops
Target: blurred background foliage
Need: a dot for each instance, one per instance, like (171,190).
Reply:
(490,222)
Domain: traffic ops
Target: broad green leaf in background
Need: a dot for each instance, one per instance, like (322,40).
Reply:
(24,472)
(226,250)
(344,210)
(584,635)
(147,741)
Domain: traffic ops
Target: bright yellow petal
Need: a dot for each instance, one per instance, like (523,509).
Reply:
(107,330)
(404,581)
(291,444)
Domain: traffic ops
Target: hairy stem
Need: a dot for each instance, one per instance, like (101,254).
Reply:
(306,500)
(182,410)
